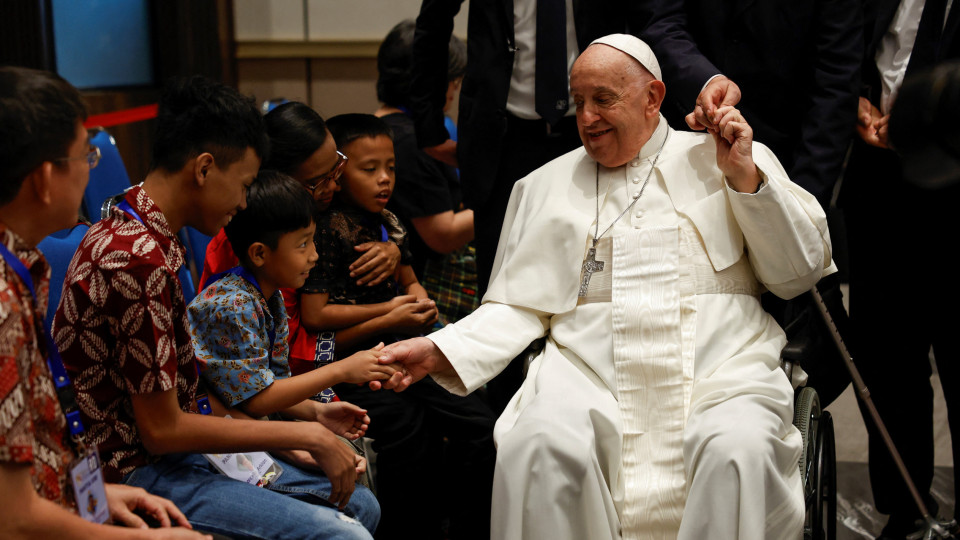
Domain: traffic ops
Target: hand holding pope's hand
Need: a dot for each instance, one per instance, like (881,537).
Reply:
(719,92)
(418,357)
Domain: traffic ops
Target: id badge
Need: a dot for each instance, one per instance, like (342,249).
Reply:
(88,488)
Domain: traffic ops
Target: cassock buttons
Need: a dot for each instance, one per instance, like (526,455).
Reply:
(636,179)
(635,163)
(639,214)
(636,194)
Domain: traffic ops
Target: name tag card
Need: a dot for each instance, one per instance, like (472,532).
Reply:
(88,488)
(256,468)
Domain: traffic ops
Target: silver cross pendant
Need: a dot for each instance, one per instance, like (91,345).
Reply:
(590,265)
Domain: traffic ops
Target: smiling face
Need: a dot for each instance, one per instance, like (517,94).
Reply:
(289,264)
(618,104)
(318,171)
(369,175)
(224,191)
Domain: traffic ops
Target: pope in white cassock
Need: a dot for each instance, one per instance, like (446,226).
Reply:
(657,408)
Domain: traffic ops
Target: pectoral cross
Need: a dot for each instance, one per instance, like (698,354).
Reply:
(590,265)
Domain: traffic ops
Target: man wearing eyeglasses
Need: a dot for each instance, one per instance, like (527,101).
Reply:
(45,162)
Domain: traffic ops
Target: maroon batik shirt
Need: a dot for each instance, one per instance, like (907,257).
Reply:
(122,327)
(32,425)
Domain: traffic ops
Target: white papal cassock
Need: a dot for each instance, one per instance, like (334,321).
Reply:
(657,408)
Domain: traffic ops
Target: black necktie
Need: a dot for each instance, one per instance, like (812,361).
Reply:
(552,92)
(926,48)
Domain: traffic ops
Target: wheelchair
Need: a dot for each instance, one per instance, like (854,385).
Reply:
(818,465)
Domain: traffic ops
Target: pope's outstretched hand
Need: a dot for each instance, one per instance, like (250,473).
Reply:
(418,357)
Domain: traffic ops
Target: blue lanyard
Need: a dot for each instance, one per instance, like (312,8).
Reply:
(60,379)
(245,274)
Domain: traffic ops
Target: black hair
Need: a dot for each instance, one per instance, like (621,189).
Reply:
(395,63)
(347,128)
(199,115)
(276,205)
(296,131)
(39,112)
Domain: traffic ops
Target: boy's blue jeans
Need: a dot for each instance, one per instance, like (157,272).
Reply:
(292,507)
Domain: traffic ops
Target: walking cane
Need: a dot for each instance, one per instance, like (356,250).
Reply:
(933,527)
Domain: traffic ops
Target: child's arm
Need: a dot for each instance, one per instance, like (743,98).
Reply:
(408,282)
(317,315)
(290,392)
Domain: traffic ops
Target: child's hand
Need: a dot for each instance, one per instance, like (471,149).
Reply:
(364,366)
(413,319)
(344,419)
(400,300)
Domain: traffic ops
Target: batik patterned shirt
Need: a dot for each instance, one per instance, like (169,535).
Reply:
(239,338)
(122,329)
(32,425)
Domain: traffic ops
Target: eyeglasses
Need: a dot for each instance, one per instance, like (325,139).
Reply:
(92,157)
(333,174)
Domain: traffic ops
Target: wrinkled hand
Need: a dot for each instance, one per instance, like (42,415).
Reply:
(378,262)
(719,92)
(734,139)
(445,152)
(344,419)
(339,464)
(418,357)
(123,500)
(871,124)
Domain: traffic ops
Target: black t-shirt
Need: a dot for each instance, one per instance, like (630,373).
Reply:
(425,186)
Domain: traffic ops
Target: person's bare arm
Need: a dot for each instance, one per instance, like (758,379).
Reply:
(164,429)
(25,515)
(446,231)
(317,315)
(286,393)
(408,281)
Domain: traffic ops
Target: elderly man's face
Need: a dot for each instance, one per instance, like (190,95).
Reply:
(618,104)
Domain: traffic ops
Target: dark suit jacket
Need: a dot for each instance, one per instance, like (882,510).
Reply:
(482,118)
(872,172)
(797,63)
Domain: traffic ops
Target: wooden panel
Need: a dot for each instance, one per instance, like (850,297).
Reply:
(344,86)
(275,19)
(268,79)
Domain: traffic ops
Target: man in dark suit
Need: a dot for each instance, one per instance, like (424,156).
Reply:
(502,137)
(902,297)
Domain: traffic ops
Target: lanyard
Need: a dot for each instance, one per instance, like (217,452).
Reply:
(60,379)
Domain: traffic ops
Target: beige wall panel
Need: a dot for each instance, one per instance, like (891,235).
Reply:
(267,79)
(268,19)
(344,86)
(365,19)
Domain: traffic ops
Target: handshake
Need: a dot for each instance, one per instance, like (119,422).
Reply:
(393,367)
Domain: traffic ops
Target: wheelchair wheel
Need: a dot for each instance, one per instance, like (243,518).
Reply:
(817,466)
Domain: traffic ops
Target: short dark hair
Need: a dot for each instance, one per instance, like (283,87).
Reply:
(395,63)
(276,205)
(199,115)
(347,128)
(296,131)
(39,112)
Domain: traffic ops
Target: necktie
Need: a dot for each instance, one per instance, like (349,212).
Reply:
(552,89)
(926,47)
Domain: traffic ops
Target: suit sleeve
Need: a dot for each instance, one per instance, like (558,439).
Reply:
(428,85)
(830,113)
(685,69)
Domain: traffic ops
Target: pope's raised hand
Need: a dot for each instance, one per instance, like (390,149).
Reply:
(734,138)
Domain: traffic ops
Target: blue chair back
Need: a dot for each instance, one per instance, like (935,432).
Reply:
(58,249)
(106,179)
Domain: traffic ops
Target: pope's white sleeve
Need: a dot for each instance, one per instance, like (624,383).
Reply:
(785,231)
(481,345)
